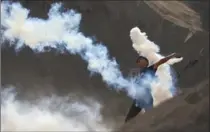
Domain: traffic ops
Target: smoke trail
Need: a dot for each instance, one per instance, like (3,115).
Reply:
(49,114)
(62,29)
(164,88)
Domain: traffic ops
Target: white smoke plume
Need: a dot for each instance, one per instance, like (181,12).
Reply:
(49,114)
(164,88)
(62,29)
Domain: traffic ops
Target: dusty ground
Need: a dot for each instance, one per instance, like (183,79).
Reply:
(187,112)
(110,22)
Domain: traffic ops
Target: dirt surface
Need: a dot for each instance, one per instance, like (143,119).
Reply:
(110,22)
(187,112)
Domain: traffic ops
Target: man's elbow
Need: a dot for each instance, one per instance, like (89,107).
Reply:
(162,61)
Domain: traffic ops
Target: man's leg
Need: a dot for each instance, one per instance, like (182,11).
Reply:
(133,111)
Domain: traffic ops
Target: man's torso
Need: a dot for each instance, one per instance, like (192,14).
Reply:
(145,83)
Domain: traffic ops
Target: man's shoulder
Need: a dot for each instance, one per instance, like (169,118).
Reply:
(151,68)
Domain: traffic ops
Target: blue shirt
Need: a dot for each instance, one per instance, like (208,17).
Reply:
(146,100)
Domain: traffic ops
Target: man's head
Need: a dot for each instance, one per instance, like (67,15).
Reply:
(142,62)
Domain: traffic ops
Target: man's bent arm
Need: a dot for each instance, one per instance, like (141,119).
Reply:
(164,60)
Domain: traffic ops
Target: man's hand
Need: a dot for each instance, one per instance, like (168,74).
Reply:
(176,55)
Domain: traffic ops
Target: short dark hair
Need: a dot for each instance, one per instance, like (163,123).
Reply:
(142,58)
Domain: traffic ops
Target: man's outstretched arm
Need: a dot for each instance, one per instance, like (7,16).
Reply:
(164,60)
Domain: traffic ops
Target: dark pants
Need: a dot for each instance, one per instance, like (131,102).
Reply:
(133,111)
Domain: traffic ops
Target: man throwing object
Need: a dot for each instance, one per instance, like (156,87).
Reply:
(139,104)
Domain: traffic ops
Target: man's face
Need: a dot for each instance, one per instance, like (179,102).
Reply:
(142,63)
